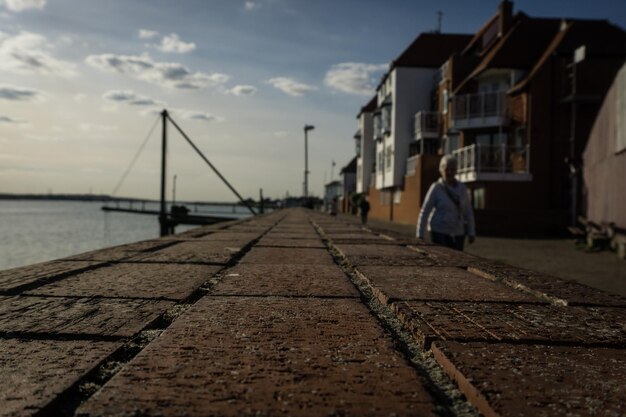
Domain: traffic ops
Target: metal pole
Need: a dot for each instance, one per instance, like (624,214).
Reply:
(163,210)
(174,190)
(306,159)
(306,164)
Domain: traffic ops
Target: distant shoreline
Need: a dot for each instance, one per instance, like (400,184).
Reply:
(97,197)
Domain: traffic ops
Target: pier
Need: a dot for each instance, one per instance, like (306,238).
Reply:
(299,313)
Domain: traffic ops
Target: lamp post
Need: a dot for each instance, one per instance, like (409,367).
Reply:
(306,159)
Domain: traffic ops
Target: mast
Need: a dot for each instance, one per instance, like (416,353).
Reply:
(163,211)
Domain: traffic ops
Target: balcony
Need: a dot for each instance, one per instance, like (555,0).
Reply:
(426,125)
(478,110)
(493,163)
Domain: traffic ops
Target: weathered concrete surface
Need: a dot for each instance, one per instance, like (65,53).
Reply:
(296,256)
(268,316)
(286,280)
(551,288)
(128,280)
(77,316)
(201,252)
(268,356)
(538,380)
(120,252)
(392,283)
(16,277)
(35,372)
(497,322)
(291,243)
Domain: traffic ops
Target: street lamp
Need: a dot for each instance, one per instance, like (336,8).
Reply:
(306,159)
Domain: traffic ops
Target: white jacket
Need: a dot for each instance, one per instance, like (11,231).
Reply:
(446,217)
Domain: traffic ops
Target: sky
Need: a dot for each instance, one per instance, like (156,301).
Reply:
(82,83)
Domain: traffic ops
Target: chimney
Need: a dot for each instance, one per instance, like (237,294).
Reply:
(506,16)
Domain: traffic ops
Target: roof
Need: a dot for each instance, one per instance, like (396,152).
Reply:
(520,47)
(429,50)
(368,108)
(350,168)
(600,37)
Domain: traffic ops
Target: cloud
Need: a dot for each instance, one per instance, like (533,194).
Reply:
(147,34)
(291,86)
(206,117)
(13,93)
(96,128)
(131,98)
(172,43)
(20,5)
(7,119)
(243,90)
(250,5)
(184,114)
(354,77)
(27,53)
(168,74)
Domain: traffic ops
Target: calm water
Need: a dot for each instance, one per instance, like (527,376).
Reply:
(35,231)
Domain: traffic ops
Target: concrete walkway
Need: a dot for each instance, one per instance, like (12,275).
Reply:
(298,313)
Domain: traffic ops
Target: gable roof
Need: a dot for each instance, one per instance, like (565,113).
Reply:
(350,168)
(431,50)
(519,48)
(600,37)
(428,50)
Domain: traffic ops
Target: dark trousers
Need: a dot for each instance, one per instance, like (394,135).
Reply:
(454,242)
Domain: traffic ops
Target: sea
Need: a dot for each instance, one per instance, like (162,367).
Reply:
(33,231)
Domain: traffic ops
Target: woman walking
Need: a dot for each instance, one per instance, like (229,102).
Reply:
(452,216)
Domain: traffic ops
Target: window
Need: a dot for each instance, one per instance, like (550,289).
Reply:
(478,199)
(444,102)
(397,197)
(388,155)
(381,160)
(452,144)
(386,121)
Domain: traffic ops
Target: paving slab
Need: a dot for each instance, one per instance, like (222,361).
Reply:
(267,356)
(392,283)
(291,243)
(285,256)
(519,380)
(292,235)
(361,236)
(120,252)
(229,235)
(156,281)
(384,255)
(528,323)
(16,277)
(552,288)
(35,372)
(286,280)
(91,317)
(447,256)
(203,251)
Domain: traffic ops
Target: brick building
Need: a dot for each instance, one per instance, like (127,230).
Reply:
(515,104)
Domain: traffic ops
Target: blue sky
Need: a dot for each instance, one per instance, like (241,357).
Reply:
(82,80)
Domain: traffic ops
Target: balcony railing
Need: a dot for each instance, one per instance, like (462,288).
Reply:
(426,125)
(479,110)
(493,162)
